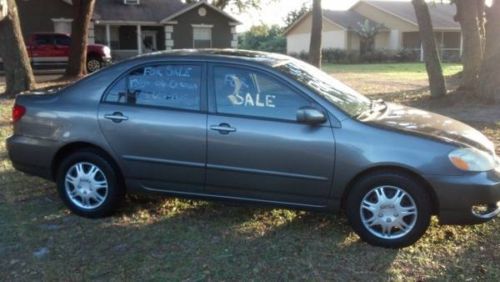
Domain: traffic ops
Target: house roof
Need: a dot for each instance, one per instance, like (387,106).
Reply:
(442,14)
(350,20)
(150,11)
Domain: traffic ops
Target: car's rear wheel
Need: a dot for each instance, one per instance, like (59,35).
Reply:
(93,64)
(88,184)
(389,209)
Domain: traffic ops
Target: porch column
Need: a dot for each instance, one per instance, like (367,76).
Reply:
(442,45)
(234,37)
(91,34)
(461,44)
(169,42)
(108,35)
(421,53)
(139,39)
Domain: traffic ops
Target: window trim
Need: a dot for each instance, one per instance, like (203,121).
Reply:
(212,96)
(203,86)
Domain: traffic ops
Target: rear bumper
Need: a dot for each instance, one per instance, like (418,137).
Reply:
(457,195)
(31,155)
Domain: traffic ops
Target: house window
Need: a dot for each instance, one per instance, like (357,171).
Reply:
(202,36)
(131,2)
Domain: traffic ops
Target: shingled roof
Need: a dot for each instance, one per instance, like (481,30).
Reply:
(442,14)
(153,11)
(350,20)
(148,10)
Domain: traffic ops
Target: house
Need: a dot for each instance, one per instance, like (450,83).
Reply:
(397,22)
(132,27)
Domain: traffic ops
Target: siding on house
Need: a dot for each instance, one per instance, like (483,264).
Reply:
(36,15)
(388,20)
(299,38)
(183,30)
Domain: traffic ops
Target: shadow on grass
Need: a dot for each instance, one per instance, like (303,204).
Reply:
(175,239)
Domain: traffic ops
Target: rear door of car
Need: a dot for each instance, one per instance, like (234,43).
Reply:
(256,148)
(154,118)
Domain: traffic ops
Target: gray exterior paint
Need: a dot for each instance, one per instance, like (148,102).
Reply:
(37,15)
(267,161)
(183,31)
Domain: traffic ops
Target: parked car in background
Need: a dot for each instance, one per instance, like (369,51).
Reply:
(254,127)
(51,51)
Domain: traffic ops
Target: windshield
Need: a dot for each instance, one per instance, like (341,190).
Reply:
(326,86)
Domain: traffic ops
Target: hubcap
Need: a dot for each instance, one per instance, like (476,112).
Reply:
(86,185)
(93,65)
(388,212)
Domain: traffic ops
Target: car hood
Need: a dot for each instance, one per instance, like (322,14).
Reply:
(431,125)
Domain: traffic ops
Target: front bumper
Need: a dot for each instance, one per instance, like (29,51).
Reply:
(458,197)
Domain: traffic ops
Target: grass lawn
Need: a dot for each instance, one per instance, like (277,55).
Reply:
(173,239)
(415,70)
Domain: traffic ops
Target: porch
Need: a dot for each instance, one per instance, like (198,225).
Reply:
(127,40)
(449,44)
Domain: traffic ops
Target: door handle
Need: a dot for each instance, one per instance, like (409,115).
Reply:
(223,128)
(116,117)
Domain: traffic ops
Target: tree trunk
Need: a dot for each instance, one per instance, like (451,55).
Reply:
(431,56)
(316,34)
(489,87)
(82,14)
(16,63)
(467,16)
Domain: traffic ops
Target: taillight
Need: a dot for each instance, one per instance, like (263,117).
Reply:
(18,112)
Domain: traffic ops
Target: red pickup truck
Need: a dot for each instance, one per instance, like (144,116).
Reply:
(51,51)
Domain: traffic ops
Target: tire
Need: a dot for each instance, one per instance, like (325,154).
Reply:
(86,195)
(407,219)
(93,64)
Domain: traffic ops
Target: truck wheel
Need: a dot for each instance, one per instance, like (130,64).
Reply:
(94,64)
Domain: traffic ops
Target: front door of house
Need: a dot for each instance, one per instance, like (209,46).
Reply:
(149,41)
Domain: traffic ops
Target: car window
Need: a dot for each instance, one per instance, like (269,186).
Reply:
(43,39)
(171,86)
(62,40)
(251,93)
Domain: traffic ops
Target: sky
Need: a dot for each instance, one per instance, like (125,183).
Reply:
(275,12)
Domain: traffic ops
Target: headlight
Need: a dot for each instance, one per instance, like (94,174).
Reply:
(107,51)
(470,159)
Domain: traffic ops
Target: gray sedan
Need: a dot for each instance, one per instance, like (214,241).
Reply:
(254,127)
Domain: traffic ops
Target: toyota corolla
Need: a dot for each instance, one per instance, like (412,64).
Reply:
(254,127)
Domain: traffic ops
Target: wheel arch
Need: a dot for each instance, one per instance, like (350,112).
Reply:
(70,148)
(397,169)
(93,54)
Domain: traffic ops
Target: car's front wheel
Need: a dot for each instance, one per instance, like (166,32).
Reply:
(389,209)
(93,64)
(88,184)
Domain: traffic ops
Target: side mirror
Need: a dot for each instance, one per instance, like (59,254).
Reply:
(310,115)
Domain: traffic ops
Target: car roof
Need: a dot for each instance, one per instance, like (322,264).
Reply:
(270,59)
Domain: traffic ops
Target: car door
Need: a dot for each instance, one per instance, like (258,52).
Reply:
(61,49)
(256,148)
(152,118)
(42,50)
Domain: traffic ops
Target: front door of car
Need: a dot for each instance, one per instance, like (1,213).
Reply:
(256,147)
(152,119)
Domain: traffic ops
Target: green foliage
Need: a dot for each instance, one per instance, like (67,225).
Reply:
(367,29)
(264,38)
